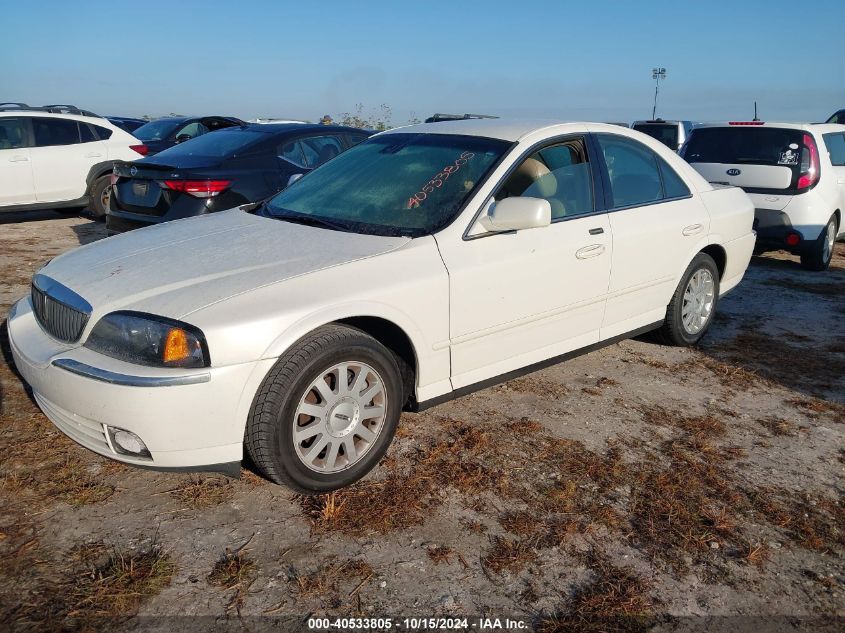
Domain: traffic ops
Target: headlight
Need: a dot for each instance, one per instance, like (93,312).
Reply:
(146,339)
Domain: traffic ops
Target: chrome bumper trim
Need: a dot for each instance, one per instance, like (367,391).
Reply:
(103,375)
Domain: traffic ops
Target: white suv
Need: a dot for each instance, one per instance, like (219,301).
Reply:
(794,173)
(51,160)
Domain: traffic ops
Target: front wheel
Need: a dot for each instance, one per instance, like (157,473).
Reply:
(691,310)
(821,251)
(100,194)
(327,411)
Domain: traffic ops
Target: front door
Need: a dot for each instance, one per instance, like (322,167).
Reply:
(15,164)
(521,297)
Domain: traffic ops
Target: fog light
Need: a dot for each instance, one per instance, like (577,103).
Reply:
(793,239)
(127,442)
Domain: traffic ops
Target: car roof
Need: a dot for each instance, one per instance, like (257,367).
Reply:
(504,129)
(660,121)
(94,120)
(275,128)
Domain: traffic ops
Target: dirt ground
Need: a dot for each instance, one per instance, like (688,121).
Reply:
(637,487)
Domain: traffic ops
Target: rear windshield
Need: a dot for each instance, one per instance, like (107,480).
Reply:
(745,146)
(219,144)
(666,133)
(156,130)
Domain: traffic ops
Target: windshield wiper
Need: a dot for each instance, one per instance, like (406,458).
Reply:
(310,220)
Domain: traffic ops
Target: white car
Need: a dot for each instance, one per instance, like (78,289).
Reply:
(794,173)
(56,160)
(421,264)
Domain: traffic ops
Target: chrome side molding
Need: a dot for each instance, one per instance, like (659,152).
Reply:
(114,378)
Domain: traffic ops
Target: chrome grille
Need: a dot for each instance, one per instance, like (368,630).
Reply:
(60,311)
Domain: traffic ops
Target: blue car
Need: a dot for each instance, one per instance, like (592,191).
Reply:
(160,134)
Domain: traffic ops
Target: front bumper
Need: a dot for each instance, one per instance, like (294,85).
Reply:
(188,419)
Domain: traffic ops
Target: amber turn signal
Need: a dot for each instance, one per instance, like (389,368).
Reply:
(176,347)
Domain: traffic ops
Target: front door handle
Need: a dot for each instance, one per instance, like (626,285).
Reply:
(93,155)
(597,231)
(693,229)
(18,159)
(594,250)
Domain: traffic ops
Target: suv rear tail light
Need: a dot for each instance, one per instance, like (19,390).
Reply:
(199,188)
(792,239)
(143,150)
(746,122)
(809,164)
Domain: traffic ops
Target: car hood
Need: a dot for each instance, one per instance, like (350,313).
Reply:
(179,267)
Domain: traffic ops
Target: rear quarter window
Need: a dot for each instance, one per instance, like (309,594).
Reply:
(835,144)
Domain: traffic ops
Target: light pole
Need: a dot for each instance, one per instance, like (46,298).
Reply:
(657,74)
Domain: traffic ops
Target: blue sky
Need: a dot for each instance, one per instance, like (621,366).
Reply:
(588,60)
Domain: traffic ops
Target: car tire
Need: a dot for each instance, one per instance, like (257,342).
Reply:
(820,252)
(693,306)
(100,191)
(344,444)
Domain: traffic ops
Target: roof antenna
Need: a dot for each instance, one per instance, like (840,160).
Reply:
(755,112)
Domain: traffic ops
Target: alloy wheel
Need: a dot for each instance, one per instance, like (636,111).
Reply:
(699,296)
(339,417)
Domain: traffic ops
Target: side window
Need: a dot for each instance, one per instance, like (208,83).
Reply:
(103,133)
(193,130)
(292,153)
(673,185)
(319,149)
(835,144)
(12,133)
(354,139)
(86,134)
(560,174)
(632,167)
(49,132)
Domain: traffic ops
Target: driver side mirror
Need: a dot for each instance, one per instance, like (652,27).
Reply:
(181,138)
(294,178)
(516,214)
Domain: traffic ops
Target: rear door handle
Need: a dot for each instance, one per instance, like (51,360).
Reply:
(18,159)
(594,250)
(597,231)
(693,229)
(93,155)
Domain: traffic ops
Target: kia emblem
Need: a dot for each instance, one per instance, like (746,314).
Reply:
(134,170)
(731,172)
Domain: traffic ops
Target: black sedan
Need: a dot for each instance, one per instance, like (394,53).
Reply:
(160,134)
(219,171)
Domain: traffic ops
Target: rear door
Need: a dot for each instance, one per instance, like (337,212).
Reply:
(16,184)
(657,226)
(64,151)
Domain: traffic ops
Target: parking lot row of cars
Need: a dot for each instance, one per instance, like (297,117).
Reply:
(379,273)
(62,156)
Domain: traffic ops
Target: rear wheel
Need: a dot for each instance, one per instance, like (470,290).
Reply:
(327,411)
(821,251)
(691,310)
(100,194)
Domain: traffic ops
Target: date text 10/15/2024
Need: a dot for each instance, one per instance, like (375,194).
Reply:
(416,624)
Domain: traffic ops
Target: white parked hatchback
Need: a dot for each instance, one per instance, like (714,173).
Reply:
(57,160)
(794,173)
(422,264)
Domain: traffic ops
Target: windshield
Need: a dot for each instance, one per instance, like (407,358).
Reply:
(220,144)
(665,133)
(393,184)
(156,130)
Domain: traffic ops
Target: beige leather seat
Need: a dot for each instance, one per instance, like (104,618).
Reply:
(533,179)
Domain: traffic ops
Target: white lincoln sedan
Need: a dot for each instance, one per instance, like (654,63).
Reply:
(420,265)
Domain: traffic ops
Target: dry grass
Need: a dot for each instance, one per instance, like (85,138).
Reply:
(326,580)
(535,384)
(103,586)
(777,426)
(440,554)
(814,407)
(202,492)
(616,600)
(509,555)
(233,570)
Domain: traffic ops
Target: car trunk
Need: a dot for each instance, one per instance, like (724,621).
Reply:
(139,187)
